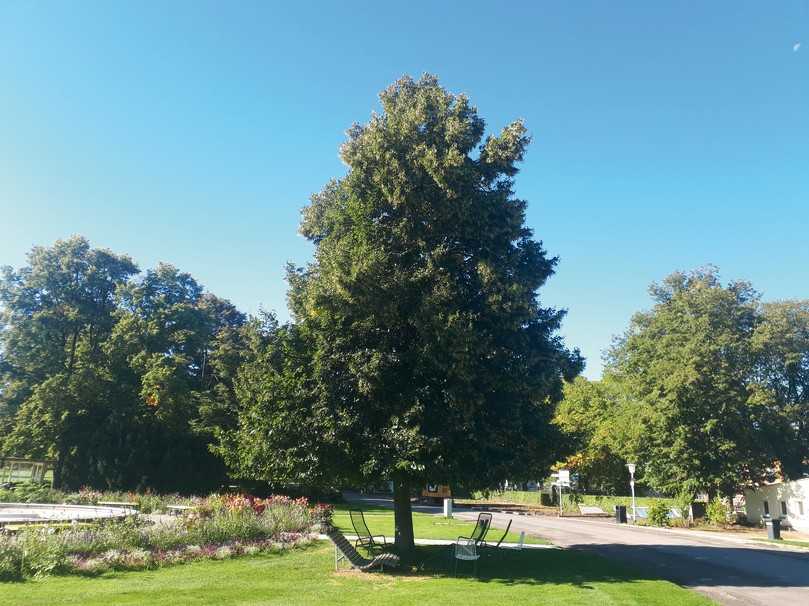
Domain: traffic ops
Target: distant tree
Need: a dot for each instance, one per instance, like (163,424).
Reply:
(689,361)
(166,351)
(420,351)
(112,376)
(56,314)
(602,427)
(781,382)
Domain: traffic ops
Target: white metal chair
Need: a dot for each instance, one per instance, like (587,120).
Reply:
(466,550)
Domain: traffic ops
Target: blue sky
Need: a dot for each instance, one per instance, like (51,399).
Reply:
(666,135)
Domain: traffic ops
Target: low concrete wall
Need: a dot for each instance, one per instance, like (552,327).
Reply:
(17,513)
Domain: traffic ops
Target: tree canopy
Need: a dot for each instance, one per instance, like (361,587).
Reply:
(707,391)
(109,372)
(419,349)
(603,431)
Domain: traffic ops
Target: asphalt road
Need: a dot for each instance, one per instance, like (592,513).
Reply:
(727,569)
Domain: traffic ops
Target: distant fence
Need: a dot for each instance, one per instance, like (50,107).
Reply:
(14,470)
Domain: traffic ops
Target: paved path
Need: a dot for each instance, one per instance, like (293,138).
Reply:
(728,569)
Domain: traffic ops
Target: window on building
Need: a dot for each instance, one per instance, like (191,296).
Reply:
(783,508)
(766,508)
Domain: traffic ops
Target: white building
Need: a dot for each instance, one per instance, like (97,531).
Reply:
(788,501)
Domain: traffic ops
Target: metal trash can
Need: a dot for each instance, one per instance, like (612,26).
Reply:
(773,529)
(620,514)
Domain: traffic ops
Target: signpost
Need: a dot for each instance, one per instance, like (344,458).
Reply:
(562,480)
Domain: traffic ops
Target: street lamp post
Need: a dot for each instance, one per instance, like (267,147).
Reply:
(631,468)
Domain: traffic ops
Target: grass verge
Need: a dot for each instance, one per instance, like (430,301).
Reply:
(425,525)
(306,576)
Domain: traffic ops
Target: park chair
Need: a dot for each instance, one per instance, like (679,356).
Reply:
(364,536)
(496,546)
(466,550)
(343,550)
(482,526)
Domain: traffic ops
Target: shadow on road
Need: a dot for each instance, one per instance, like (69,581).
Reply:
(585,564)
(712,565)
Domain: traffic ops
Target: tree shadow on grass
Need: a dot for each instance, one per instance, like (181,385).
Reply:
(528,566)
(690,565)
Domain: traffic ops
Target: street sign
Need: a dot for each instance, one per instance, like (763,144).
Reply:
(562,480)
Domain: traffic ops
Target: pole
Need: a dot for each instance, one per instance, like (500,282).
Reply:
(631,468)
(634,509)
(560,499)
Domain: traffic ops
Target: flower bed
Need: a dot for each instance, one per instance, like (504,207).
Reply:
(220,527)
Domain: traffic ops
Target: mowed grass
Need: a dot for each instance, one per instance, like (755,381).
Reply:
(523,497)
(306,576)
(425,525)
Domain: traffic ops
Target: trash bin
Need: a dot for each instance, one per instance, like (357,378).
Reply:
(447,508)
(620,514)
(773,529)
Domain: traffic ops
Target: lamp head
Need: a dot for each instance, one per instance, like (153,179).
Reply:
(631,468)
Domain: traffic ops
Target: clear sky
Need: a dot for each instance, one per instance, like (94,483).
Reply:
(666,135)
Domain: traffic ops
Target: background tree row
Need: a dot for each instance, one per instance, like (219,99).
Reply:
(707,391)
(115,374)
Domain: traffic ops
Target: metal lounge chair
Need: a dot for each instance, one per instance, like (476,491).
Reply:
(500,541)
(482,526)
(466,550)
(344,550)
(364,536)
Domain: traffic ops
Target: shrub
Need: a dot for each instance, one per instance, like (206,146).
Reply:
(323,514)
(683,503)
(10,561)
(30,492)
(86,496)
(659,513)
(717,512)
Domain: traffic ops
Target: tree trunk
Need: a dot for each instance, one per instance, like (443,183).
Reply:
(73,352)
(403,517)
(57,470)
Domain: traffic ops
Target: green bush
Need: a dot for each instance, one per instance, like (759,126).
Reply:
(30,492)
(42,553)
(659,513)
(10,561)
(717,512)
(683,503)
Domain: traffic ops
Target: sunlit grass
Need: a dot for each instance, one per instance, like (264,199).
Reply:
(307,576)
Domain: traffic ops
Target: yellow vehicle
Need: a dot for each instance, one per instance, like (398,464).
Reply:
(436,493)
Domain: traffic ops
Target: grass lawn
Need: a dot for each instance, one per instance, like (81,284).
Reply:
(425,525)
(523,497)
(307,576)
(790,542)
